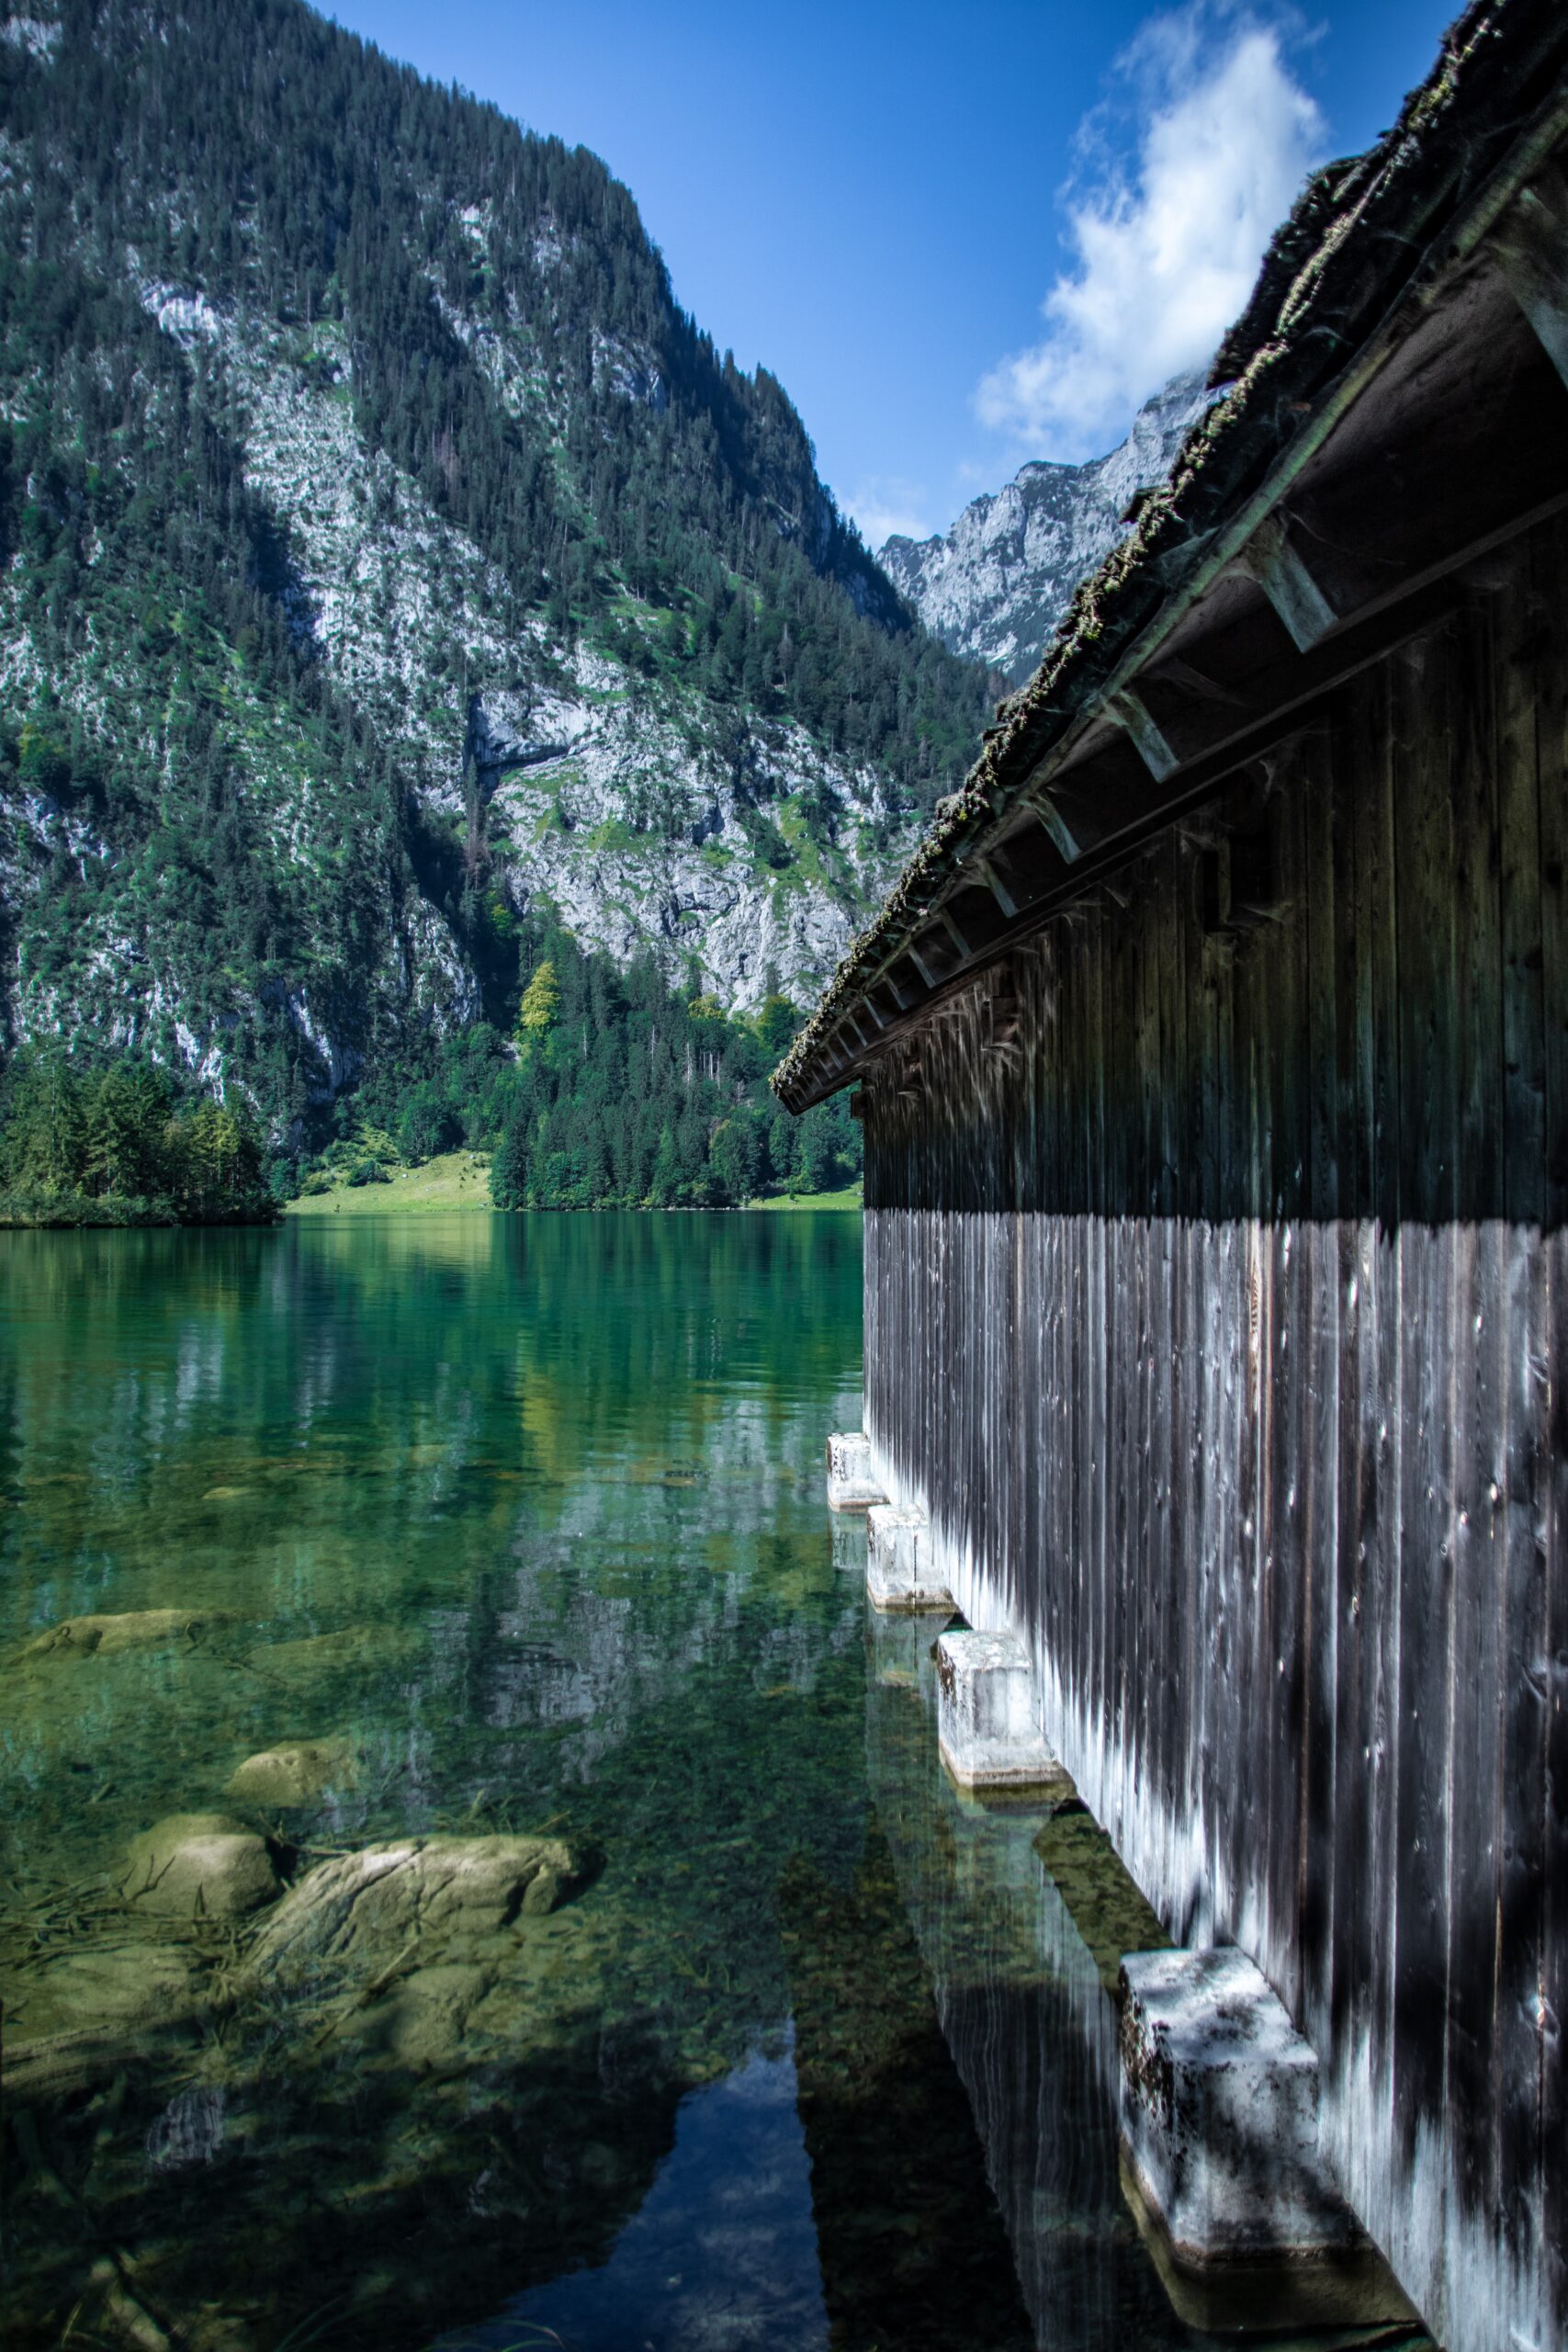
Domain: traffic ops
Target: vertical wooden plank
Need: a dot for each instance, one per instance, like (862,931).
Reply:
(1551,676)
(1357,787)
(1429,1062)
(1521,668)
(1551,2007)
(1380,1533)
(1319,1511)
(1477,1308)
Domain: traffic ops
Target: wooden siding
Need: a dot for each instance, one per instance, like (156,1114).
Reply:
(1217,1310)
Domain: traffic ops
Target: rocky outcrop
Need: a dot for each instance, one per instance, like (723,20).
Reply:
(997,584)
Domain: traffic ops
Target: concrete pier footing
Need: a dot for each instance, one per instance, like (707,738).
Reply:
(986,1727)
(853,1484)
(1222,2166)
(899,1572)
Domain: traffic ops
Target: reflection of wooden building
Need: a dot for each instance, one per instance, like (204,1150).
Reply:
(1213,1064)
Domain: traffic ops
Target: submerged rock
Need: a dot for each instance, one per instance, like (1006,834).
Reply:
(353,1648)
(413,1899)
(102,1636)
(77,2016)
(200,1865)
(294,1773)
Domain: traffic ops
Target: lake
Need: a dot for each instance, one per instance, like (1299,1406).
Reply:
(687,2004)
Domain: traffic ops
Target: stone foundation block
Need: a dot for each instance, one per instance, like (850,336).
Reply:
(899,1573)
(986,1726)
(853,1484)
(1219,2113)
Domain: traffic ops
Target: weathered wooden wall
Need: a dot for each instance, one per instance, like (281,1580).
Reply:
(1217,1310)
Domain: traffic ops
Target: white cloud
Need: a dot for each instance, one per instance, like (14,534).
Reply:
(887,506)
(1167,247)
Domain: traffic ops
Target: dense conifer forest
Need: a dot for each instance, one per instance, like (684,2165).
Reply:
(120,1144)
(217,847)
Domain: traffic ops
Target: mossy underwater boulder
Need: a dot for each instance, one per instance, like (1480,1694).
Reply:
(295,1773)
(412,1896)
(200,1866)
(419,1954)
(136,1629)
(352,1649)
(75,2018)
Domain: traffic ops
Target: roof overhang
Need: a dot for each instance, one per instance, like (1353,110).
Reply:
(1443,436)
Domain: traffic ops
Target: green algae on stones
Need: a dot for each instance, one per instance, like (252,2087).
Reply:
(200,1866)
(363,1649)
(75,2018)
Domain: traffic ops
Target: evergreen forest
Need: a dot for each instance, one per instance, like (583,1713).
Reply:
(120,1144)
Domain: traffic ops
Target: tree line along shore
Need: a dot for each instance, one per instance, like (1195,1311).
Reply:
(613,1090)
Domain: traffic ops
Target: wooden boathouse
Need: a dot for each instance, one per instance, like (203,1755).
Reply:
(1212,1059)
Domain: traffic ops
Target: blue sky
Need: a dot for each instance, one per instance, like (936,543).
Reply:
(961,235)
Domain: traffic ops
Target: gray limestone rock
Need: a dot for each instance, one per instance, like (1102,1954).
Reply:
(997,584)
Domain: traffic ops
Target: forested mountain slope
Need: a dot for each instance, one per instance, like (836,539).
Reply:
(386,562)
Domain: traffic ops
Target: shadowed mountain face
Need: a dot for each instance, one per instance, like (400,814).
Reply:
(997,584)
(383,554)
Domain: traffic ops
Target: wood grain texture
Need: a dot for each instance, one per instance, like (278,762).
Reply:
(1215,1310)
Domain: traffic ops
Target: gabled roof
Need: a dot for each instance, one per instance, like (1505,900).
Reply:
(1375,266)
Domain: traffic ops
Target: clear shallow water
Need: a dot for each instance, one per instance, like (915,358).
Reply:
(522,1519)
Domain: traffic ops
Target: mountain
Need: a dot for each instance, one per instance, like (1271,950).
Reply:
(996,584)
(388,566)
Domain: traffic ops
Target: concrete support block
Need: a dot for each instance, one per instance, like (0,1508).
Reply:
(853,1484)
(1220,2159)
(1219,2110)
(898,1570)
(986,1726)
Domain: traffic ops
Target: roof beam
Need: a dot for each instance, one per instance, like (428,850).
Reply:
(987,869)
(1130,711)
(1318,675)
(1532,247)
(965,950)
(1061,833)
(1270,559)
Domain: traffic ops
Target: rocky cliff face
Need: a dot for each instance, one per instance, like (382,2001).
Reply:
(386,561)
(996,584)
(645,816)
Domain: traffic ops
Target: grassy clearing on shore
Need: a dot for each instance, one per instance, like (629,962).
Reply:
(454,1180)
(849,1198)
(460,1180)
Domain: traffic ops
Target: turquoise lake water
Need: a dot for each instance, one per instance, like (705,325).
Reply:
(519,1522)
